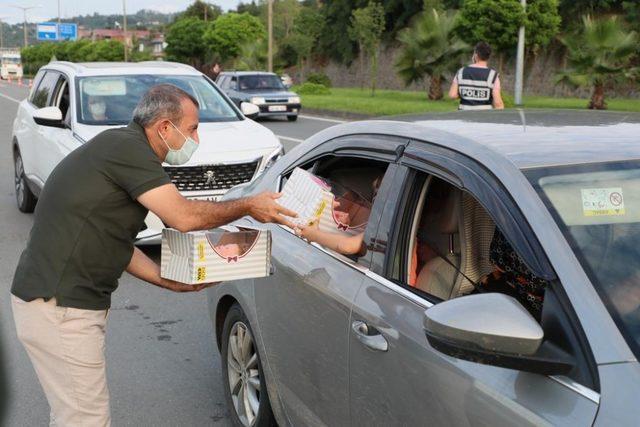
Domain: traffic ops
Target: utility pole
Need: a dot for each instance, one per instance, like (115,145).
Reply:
(270,30)
(24,24)
(206,6)
(58,12)
(126,45)
(1,34)
(520,61)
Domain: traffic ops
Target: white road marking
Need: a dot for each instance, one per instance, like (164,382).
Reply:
(290,139)
(17,101)
(324,119)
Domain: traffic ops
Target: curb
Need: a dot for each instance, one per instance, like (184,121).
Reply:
(344,115)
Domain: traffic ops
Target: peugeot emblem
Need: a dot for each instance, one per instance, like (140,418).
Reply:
(211,177)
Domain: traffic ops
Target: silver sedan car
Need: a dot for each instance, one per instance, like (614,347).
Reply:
(499,281)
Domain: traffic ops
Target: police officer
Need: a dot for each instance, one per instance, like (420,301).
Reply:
(476,85)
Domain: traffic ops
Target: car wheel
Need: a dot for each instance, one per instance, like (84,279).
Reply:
(244,383)
(24,197)
(292,118)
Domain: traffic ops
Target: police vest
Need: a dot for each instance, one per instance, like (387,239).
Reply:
(475,87)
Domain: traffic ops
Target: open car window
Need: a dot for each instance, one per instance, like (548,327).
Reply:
(351,187)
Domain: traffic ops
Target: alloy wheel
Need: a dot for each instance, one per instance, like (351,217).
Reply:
(244,373)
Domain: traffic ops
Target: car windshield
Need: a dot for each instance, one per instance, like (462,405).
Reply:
(10,60)
(110,100)
(597,207)
(261,82)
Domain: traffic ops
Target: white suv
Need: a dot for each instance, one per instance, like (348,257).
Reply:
(55,119)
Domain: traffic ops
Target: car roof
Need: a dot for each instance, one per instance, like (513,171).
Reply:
(538,138)
(120,68)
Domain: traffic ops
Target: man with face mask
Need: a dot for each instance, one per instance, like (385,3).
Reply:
(477,85)
(88,215)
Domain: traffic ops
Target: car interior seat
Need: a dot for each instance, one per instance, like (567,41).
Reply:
(459,232)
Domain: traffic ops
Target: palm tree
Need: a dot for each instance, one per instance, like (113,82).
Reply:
(599,54)
(432,48)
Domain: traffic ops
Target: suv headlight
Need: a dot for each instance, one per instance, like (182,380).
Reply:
(275,155)
(258,100)
(294,100)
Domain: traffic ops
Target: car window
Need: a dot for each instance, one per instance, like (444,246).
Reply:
(61,98)
(224,82)
(260,82)
(234,83)
(449,246)
(46,87)
(36,82)
(110,100)
(344,221)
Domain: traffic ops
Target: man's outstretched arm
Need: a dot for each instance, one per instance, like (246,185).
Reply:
(186,215)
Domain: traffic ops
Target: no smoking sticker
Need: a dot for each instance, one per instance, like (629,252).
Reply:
(602,201)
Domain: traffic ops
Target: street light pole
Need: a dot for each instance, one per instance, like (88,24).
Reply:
(270,30)
(124,12)
(58,12)
(520,61)
(24,24)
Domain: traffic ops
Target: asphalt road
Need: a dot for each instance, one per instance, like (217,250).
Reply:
(163,367)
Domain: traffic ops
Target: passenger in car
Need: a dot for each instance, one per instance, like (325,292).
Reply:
(512,276)
(97,108)
(343,244)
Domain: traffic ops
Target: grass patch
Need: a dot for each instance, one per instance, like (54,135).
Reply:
(392,102)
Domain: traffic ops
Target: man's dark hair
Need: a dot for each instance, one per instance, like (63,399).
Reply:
(160,102)
(483,51)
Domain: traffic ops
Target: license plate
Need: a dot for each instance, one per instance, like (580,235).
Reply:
(206,198)
(277,108)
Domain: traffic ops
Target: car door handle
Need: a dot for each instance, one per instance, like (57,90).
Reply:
(369,336)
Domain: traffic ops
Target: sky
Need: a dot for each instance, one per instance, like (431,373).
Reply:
(49,8)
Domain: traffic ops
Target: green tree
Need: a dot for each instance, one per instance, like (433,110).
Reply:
(431,47)
(542,23)
(367,26)
(227,34)
(308,26)
(185,41)
(201,10)
(494,21)
(253,56)
(103,50)
(599,54)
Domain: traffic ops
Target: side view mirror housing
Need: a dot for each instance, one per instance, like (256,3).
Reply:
(49,116)
(493,329)
(249,110)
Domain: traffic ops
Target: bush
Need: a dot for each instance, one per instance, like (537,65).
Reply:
(319,78)
(312,89)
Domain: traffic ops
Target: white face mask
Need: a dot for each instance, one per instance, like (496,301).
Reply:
(182,155)
(97,109)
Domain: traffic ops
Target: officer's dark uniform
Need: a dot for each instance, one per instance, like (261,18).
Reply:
(475,87)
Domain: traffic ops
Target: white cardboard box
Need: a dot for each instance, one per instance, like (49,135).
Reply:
(226,253)
(312,199)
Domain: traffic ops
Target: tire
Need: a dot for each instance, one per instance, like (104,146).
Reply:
(242,374)
(25,199)
(292,118)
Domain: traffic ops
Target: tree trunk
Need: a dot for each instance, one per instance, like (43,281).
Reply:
(435,88)
(374,71)
(362,80)
(597,98)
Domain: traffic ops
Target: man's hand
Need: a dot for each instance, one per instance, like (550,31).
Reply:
(174,286)
(264,208)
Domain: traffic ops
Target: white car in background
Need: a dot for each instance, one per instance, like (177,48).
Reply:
(55,119)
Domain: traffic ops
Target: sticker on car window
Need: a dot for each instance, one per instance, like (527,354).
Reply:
(602,201)
(102,86)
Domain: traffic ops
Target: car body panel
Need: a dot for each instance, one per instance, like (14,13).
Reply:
(412,383)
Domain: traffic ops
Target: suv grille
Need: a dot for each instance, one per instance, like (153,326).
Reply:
(211,177)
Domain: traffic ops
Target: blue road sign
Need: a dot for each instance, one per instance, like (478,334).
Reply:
(47,31)
(67,31)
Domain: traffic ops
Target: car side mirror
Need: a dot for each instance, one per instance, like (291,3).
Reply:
(493,329)
(49,116)
(249,110)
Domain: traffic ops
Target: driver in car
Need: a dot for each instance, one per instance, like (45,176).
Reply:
(97,108)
